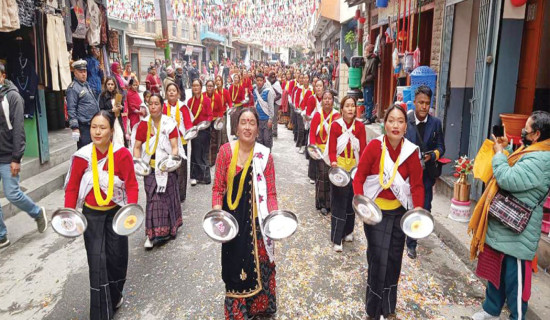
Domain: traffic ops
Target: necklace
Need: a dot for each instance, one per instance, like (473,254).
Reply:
(221,94)
(213,100)
(149,152)
(178,113)
(200,106)
(235,94)
(111,169)
(231,176)
(348,157)
(394,170)
(322,126)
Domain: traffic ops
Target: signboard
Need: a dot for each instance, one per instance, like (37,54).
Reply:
(188,50)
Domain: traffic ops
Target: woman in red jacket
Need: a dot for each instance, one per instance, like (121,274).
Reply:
(238,97)
(200,106)
(318,135)
(390,173)
(347,140)
(101,180)
(226,105)
(132,106)
(217,111)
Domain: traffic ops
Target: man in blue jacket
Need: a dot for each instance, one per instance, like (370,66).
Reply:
(426,132)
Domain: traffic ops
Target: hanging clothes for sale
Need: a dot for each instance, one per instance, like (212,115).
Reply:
(10,16)
(104,27)
(26,12)
(113,41)
(66,13)
(78,19)
(93,16)
(58,57)
(40,48)
(23,76)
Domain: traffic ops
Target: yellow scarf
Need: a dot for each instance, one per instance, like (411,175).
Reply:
(178,113)
(235,94)
(322,126)
(231,176)
(149,152)
(111,169)
(480,217)
(200,106)
(386,186)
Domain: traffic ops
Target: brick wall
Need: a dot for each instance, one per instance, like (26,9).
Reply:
(439,11)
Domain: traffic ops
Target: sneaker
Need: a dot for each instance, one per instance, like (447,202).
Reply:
(411,253)
(483,315)
(338,248)
(349,238)
(193,182)
(302,149)
(119,304)
(42,220)
(4,242)
(311,181)
(148,244)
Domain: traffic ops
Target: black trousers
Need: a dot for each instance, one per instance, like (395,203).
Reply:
(85,136)
(293,118)
(107,262)
(322,185)
(200,166)
(182,177)
(343,217)
(312,168)
(386,241)
(301,136)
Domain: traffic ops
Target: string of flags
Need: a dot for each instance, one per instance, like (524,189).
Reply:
(277,23)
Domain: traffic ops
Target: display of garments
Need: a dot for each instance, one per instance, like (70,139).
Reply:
(66,13)
(25,79)
(94,30)
(78,16)
(26,12)
(57,53)
(113,41)
(10,16)
(40,48)
(104,26)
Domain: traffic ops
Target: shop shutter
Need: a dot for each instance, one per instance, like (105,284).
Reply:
(443,85)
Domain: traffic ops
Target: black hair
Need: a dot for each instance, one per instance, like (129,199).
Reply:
(541,122)
(329,92)
(315,83)
(346,98)
(107,115)
(161,99)
(248,109)
(2,69)
(395,107)
(170,85)
(210,80)
(107,79)
(260,75)
(146,92)
(198,80)
(423,89)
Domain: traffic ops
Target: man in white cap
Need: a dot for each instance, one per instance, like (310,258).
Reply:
(170,77)
(81,104)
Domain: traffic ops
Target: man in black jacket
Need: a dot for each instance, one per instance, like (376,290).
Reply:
(426,132)
(12,147)
(368,80)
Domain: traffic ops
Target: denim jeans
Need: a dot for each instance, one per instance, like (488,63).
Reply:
(15,196)
(368,92)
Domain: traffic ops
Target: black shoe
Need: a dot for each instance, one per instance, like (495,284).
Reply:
(367,122)
(324,211)
(4,242)
(411,253)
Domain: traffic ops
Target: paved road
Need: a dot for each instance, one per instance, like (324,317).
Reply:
(44,276)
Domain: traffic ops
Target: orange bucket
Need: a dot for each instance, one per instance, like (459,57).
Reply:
(513,123)
(360,110)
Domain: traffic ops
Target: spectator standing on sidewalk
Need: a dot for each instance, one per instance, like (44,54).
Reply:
(368,79)
(426,132)
(265,101)
(276,86)
(95,74)
(81,104)
(12,136)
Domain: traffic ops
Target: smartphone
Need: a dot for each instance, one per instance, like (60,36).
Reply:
(498,131)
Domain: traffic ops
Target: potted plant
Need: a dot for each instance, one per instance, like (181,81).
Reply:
(160,42)
(463,168)
(351,39)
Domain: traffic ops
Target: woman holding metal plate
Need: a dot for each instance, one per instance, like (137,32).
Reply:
(313,106)
(101,180)
(226,105)
(178,111)
(216,105)
(389,173)
(238,99)
(157,138)
(200,106)
(347,140)
(245,187)
(318,136)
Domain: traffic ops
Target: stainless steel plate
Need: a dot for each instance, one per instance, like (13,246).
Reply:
(339,177)
(366,209)
(141,167)
(314,152)
(203,125)
(218,124)
(280,224)
(191,134)
(128,219)
(170,163)
(220,226)
(69,222)
(352,172)
(417,223)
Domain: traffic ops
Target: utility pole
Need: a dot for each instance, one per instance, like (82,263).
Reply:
(164,25)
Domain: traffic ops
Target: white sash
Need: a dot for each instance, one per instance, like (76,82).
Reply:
(262,102)
(325,123)
(400,187)
(346,137)
(6,107)
(259,162)
(86,182)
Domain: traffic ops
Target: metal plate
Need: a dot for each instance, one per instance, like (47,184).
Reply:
(170,163)
(366,209)
(203,125)
(352,172)
(141,167)
(218,124)
(417,223)
(231,111)
(339,177)
(314,152)
(220,226)
(69,222)
(128,219)
(280,224)
(191,134)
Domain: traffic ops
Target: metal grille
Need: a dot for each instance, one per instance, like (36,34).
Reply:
(443,85)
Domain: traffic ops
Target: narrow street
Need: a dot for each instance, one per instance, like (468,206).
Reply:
(44,276)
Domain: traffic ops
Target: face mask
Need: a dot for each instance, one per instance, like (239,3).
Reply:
(524,138)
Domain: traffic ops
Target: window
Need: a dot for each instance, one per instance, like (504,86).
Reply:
(174,28)
(185,30)
(150,26)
